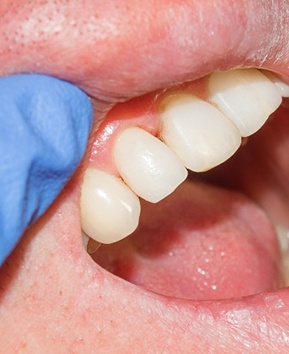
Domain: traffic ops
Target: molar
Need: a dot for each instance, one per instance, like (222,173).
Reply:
(198,132)
(147,165)
(109,209)
(245,96)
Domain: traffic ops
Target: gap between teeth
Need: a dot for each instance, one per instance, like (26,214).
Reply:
(195,134)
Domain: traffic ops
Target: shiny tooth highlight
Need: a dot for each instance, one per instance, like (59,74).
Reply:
(147,165)
(198,132)
(245,96)
(109,209)
(281,86)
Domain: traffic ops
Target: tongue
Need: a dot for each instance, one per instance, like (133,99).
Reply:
(200,243)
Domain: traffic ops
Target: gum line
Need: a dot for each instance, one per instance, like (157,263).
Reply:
(142,112)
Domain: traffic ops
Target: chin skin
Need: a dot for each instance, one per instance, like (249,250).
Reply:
(54,298)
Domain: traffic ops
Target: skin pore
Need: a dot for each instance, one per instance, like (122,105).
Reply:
(54,298)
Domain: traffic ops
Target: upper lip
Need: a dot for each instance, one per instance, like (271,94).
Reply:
(169,44)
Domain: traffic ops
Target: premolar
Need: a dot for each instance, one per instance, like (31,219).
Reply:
(109,209)
(245,96)
(198,132)
(147,165)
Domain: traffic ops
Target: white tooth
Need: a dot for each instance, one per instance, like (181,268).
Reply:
(109,209)
(283,237)
(281,86)
(247,97)
(147,165)
(198,132)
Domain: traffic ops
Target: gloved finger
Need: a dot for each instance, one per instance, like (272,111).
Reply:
(44,128)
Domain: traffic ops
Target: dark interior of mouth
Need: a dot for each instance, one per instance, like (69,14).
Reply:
(214,237)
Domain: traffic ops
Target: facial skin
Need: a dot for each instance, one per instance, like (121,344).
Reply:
(54,298)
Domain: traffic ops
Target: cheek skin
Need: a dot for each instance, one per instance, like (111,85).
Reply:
(3,6)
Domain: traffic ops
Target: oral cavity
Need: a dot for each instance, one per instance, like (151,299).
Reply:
(146,155)
(200,243)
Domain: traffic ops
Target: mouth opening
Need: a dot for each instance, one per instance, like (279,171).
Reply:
(222,234)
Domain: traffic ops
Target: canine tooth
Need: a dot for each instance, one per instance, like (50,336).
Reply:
(247,97)
(281,86)
(109,209)
(198,132)
(147,165)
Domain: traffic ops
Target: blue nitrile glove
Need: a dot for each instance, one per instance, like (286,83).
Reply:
(44,128)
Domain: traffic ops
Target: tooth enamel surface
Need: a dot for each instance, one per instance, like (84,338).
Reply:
(147,165)
(247,97)
(198,132)
(283,237)
(109,209)
(281,86)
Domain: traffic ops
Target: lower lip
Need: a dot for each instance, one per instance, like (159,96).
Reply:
(243,323)
(170,324)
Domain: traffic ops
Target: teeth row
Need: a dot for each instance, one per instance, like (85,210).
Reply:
(195,134)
